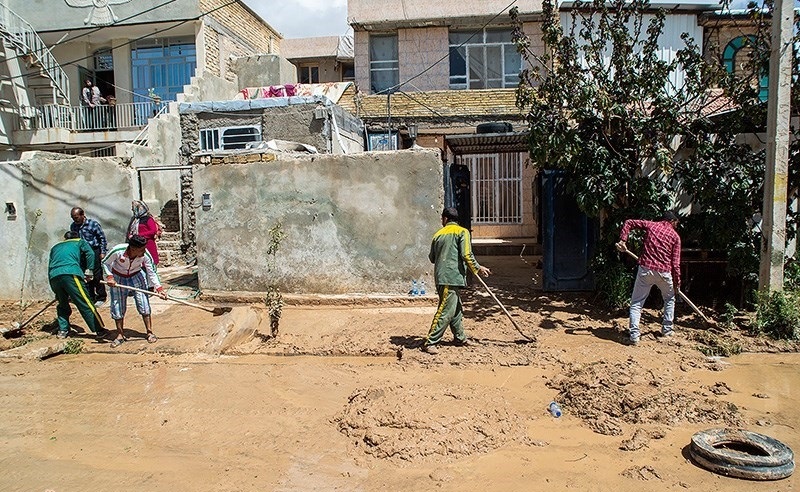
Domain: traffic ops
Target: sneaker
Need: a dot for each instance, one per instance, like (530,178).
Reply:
(633,342)
(667,334)
(430,349)
(62,334)
(463,343)
(99,304)
(101,333)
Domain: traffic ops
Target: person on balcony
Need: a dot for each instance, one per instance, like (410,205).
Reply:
(90,100)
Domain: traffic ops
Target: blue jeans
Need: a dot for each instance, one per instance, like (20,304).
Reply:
(645,280)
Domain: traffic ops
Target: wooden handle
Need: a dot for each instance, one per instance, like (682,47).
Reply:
(147,292)
(502,307)
(681,294)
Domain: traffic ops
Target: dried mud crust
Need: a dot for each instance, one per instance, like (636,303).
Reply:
(420,423)
(606,395)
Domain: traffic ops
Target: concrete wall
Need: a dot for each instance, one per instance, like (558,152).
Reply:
(360,223)
(158,187)
(54,183)
(56,15)
(263,70)
(378,11)
(208,87)
(292,119)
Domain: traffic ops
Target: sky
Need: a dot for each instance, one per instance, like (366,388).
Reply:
(304,18)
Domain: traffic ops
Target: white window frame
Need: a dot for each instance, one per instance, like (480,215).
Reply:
(229,137)
(478,44)
(495,187)
(377,66)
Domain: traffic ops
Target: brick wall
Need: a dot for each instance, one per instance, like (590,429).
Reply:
(234,31)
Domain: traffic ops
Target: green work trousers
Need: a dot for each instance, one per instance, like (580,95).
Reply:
(72,287)
(449,313)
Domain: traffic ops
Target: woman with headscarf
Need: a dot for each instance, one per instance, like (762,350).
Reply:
(143,224)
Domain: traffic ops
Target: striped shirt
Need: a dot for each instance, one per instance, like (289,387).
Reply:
(118,263)
(92,233)
(662,246)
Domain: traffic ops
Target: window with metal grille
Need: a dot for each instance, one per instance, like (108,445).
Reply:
(229,138)
(496,187)
(483,60)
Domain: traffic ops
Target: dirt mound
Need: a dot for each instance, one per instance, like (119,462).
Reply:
(605,395)
(414,423)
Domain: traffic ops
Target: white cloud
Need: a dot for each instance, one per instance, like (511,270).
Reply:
(304,18)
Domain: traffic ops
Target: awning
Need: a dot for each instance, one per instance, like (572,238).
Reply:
(487,143)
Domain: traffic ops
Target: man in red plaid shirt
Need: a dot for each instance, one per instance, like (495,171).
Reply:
(659,265)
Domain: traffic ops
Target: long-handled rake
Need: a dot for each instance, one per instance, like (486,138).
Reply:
(503,308)
(18,326)
(216,311)
(708,321)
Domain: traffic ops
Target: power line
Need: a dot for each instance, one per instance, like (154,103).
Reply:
(131,41)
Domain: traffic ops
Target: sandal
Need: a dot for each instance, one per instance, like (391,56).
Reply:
(117,342)
(152,338)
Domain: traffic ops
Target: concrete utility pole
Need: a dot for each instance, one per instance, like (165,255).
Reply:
(773,240)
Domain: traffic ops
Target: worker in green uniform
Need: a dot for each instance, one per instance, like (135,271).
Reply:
(69,259)
(451,254)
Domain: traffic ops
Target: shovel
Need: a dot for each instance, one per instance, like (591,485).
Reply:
(503,308)
(17,326)
(709,322)
(216,311)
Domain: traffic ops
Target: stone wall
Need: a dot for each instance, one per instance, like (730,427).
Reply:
(234,31)
(53,184)
(353,224)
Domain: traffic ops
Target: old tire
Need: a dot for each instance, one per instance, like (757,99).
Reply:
(747,472)
(742,454)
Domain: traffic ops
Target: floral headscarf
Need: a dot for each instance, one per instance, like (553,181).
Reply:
(140,213)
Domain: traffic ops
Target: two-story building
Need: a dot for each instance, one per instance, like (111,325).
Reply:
(140,54)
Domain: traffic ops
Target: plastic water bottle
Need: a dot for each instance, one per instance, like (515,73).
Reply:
(555,410)
(422,287)
(414,288)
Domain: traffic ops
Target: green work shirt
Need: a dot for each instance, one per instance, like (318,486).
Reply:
(451,254)
(70,257)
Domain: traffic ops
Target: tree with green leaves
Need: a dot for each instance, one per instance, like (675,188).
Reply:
(632,135)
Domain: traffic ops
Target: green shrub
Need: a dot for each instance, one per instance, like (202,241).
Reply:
(778,315)
(73,346)
(613,281)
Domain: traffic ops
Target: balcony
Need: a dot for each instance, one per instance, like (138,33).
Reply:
(43,126)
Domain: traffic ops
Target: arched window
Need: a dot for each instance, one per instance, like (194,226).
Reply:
(736,57)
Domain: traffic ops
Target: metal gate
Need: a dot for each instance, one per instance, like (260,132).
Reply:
(496,187)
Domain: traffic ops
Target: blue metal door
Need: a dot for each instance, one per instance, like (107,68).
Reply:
(569,237)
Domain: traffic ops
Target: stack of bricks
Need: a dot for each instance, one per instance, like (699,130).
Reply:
(237,158)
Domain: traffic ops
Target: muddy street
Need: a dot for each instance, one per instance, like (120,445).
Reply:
(343,399)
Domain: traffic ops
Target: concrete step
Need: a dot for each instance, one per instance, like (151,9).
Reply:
(173,245)
(506,248)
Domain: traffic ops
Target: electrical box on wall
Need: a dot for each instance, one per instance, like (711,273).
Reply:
(206,202)
(11,211)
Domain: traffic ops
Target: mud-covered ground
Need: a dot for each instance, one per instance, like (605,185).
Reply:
(343,399)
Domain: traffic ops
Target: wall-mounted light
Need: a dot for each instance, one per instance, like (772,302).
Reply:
(11,211)
(412,133)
